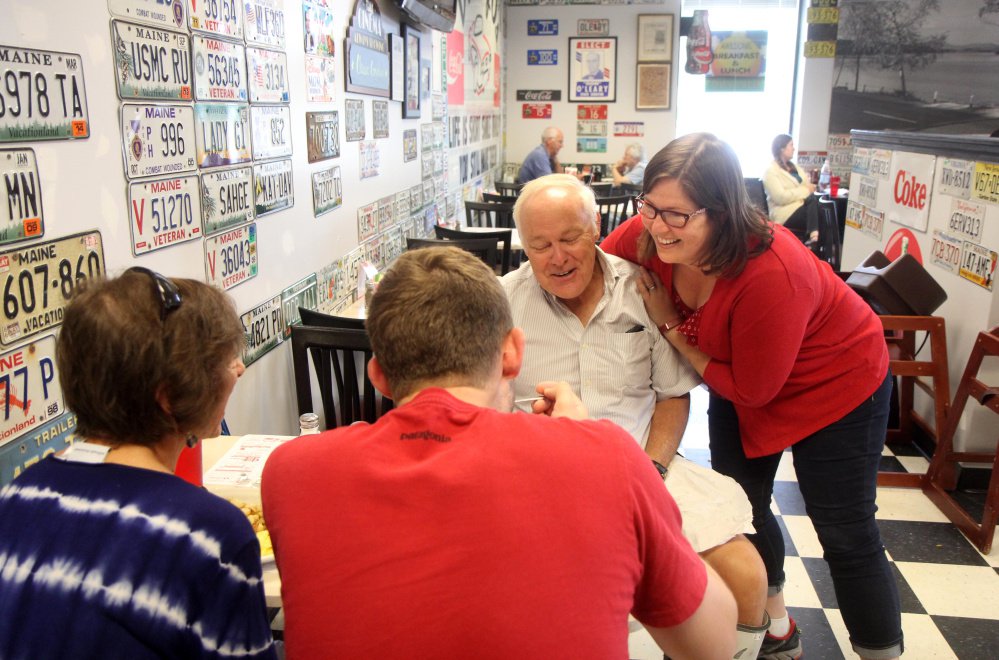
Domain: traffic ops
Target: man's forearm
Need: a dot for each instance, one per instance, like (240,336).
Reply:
(669,420)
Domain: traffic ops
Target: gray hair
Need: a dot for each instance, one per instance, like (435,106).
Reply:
(636,151)
(570,184)
(550,133)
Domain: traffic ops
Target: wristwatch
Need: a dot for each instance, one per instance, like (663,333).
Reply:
(662,469)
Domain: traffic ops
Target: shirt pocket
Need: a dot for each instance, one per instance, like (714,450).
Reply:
(627,359)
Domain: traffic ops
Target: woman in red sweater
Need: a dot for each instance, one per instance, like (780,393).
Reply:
(793,358)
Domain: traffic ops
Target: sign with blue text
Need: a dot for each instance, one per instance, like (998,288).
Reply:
(542,27)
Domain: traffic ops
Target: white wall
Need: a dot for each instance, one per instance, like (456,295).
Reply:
(524,134)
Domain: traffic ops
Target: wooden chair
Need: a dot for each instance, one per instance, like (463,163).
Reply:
(489,214)
(940,479)
(496,197)
(508,189)
(340,357)
(612,211)
(900,335)
(493,250)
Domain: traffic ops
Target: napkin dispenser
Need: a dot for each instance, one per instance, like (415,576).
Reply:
(901,287)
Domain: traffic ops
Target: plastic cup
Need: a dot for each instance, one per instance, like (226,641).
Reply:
(189,465)
(833,186)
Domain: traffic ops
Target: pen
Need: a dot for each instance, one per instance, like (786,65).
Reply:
(533,398)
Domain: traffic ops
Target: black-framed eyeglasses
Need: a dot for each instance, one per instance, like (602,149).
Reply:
(672,218)
(169,294)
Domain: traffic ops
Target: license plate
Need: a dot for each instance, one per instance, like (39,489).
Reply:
(231,258)
(39,280)
(161,13)
(300,294)
(354,117)
(42,95)
(273,187)
(48,438)
(223,134)
(264,329)
(268,76)
(322,135)
(379,119)
(265,21)
(329,283)
(219,70)
(164,212)
(271,127)
(591,112)
(21,216)
(327,190)
(319,79)
(157,139)
(226,199)
(29,388)
(150,63)
(221,17)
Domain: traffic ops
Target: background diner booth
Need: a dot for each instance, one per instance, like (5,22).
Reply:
(245,150)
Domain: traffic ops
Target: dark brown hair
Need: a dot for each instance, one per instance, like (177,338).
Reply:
(709,172)
(115,352)
(439,316)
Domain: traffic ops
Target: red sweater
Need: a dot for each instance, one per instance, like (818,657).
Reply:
(791,345)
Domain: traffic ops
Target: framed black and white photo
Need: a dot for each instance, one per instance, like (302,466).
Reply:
(652,86)
(411,82)
(592,69)
(655,38)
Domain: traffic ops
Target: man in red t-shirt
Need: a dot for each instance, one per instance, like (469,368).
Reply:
(453,527)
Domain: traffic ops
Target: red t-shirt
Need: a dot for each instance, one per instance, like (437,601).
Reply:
(791,345)
(446,530)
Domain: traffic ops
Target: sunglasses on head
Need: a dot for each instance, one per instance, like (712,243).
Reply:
(169,294)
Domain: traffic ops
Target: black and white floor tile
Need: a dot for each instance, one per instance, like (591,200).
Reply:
(949,590)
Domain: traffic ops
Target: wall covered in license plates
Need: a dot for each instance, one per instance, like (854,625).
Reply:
(218,141)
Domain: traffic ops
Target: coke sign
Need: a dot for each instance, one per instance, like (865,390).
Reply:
(909,191)
(909,195)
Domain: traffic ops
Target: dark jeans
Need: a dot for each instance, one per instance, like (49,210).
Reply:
(805,219)
(837,474)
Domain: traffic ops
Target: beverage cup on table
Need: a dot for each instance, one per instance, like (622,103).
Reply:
(833,186)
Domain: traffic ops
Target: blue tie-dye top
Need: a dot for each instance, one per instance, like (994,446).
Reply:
(108,561)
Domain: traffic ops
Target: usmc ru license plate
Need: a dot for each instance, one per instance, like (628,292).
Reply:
(29,388)
(37,282)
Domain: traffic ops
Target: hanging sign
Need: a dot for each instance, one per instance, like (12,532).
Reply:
(591,112)
(367,52)
(327,190)
(537,111)
(219,70)
(223,134)
(268,76)
(264,23)
(48,438)
(955,177)
(543,27)
(151,63)
(322,132)
(593,27)
(263,327)
(221,17)
(945,252)
(161,13)
(909,193)
(163,212)
(273,187)
(25,73)
(271,130)
(226,199)
(978,264)
(542,57)
(157,140)
(21,216)
(29,387)
(300,294)
(231,257)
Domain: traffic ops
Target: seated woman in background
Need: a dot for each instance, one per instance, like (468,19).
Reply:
(789,192)
(104,552)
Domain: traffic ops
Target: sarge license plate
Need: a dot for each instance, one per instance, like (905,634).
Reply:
(42,95)
(157,140)
(38,281)
(231,257)
(29,388)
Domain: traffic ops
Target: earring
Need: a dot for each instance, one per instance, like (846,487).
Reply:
(191,440)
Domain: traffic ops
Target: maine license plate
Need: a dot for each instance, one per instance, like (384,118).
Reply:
(271,129)
(231,257)
(162,13)
(29,388)
(223,17)
(268,76)
(327,190)
(219,70)
(150,63)
(264,328)
(302,293)
(223,134)
(322,132)
(21,216)
(48,438)
(42,95)
(265,22)
(157,139)
(226,199)
(273,187)
(38,281)
(164,212)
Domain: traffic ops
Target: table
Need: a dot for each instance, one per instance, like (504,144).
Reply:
(514,234)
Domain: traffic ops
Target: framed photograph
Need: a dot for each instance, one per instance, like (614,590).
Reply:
(592,69)
(655,38)
(411,82)
(652,86)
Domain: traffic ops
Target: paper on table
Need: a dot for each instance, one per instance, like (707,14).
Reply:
(243,464)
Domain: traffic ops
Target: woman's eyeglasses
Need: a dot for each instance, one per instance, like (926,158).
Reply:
(170,298)
(671,218)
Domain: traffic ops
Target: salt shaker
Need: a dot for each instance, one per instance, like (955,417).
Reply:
(308,423)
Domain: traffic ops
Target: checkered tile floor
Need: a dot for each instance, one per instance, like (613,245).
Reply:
(949,591)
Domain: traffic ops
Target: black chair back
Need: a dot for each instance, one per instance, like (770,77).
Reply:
(602,189)
(757,193)
(489,214)
(504,262)
(340,357)
(829,248)
(496,197)
(612,211)
(321,320)
(494,251)
(509,189)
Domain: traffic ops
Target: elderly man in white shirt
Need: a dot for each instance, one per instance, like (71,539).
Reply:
(585,323)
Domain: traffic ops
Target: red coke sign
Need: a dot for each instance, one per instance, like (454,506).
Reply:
(909,191)
(537,111)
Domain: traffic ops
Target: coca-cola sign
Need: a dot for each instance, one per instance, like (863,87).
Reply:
(539,95)
(910,188)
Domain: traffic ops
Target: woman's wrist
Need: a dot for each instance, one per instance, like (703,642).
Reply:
(664,328)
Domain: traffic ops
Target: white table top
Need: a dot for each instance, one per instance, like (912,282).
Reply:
(514,235)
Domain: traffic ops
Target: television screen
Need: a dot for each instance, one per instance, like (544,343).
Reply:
(436,14)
